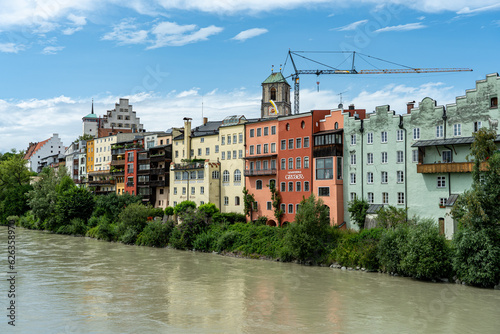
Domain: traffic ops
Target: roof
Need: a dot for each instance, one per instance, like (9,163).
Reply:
(211,128)
(91,116)
(374,208)
(33,148)
(275,77)
(233,120)
(327,132)
(448,141)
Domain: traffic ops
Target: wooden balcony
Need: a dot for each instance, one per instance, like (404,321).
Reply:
(259,172)
(449,167)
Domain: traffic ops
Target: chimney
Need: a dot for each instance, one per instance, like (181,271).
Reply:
(351,107)
(410,106)
(187,136)
(205,120)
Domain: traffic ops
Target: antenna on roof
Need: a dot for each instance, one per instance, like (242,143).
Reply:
(272,68)
(92,106)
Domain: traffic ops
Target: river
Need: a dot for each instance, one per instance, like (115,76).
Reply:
(70,284)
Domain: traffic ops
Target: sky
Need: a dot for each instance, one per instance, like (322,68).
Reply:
(187,58)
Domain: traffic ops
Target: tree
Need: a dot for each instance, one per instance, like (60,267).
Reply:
(276,202)
(248,200)
(74,203)
(358,208)
(183,206)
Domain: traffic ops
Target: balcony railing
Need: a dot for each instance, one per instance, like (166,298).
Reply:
(157,183)
(193,165)
(448,167)
(130,184)
(118,162)
(158,171)
(92,182)
(258,172)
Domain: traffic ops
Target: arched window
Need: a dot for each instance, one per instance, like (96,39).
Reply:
(298,163)
(306,162)
(272,182)
(258,184)
(336,125)
(225,176)
(273,94)
(237,175)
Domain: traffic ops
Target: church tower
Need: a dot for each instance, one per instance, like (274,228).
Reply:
(275,96)
(90,123)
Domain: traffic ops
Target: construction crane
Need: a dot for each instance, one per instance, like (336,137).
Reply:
(352,70)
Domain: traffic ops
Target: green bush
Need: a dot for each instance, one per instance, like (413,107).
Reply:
(206,241)
(111,205)
(131,222)
(184,234)
(76,226)
(155,234)
(156,212)
(209,209)
(391,249)
(358,248)
(228,218)
(476,258)
(28,221)
(169,211)
(227,241)
(427,255)
(183,206)
(104,230)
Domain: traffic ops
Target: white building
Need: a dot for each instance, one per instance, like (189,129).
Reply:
(37,153)
(122,117)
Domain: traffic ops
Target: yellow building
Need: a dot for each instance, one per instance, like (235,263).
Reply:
(90,156)
(232,149)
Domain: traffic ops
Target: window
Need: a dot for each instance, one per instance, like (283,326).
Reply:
(272,182)
(383,177)
(207,151)
(287,127)
(494,102)
(399,157)
(283,144)
(255,206)
(383,137)
(237,175)
(283,164)
(215,174)
(298,143)
(240,138)
(273,129)
(266,131)
(457,129)
(290,163)
(259,149)
(130,156)
(290,144)
(216,148)
(439,131)
(323,191)
(401,198)
(223,140)
(252,133)
(447,157)
(352,196)
(283,186)
(259,132)
(290,208)
(298,163)
(257,165)
(370,198)
(306,142)
(236,200)
(384,158)
(306,185)
(324,168)
(369,138)
(369,158)
(385,198)
(290,186)
(175,190)
(273,164)
(185,175)
(225,176)
(226,200)
(416,133)
(399,135)
(240,154)
(414,155)
(184,190)
(234,154)
(400,177)
(369,177)
(192,191)
(252,149)
(353,139)
(223,155)
(477,126)
(202,190)
(199,152)
(298,186)
(353,159)
(234,138)
(441,181)
(353,178)
(228,155)
(283,207)
(266,148)
(273,147)
(258,184)
(269,206)
(306,162)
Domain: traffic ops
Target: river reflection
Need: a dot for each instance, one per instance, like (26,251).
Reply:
(80,285)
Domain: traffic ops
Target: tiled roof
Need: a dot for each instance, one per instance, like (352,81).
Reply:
(33,148)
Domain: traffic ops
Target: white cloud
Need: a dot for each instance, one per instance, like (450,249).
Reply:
(191,92)
(420,18)
(77,20)
(11,47)
(468,11)
(402,27)
(250,33)
(172,34)
(52,50)
(126,32)
(71,31)
(351,26)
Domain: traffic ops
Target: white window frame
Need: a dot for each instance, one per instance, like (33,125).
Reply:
(369,138)
(400,135)
(369,158)
(383,137)
(416,133)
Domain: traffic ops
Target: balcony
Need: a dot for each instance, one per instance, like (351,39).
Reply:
(448,167)
(158,158)
(118,162)
(159,183)
(100,182)
(130,184)
(158,171)
(193,165)
(259,172)
(117,171)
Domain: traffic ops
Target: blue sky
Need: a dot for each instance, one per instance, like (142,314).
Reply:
(169,56)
